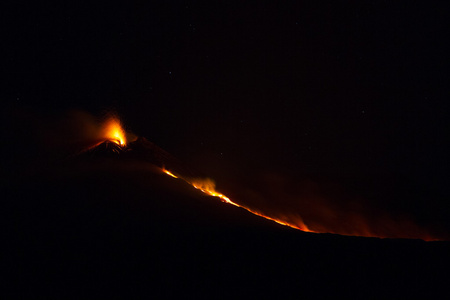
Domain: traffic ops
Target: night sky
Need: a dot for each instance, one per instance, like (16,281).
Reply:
(355,93)
(344,91)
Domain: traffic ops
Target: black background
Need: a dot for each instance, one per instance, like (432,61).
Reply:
(367,79)
(344,88)
(353,91)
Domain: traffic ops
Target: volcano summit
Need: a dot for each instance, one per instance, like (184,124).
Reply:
(111,222)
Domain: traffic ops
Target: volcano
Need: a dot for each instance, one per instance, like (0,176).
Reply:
(139,150)
(322,214)
(111,222)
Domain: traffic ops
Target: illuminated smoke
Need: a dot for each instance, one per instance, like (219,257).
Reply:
(311,207)
(113,130)
(305,205)
(207,186)
(76,131)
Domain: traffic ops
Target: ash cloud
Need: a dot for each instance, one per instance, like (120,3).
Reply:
(57,135)
(323,205)
(75,130)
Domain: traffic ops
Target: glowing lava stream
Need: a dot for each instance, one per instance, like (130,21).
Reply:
(111,130)
(207,187)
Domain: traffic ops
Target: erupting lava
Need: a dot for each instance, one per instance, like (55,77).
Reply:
(320,217)
(207,186)
(113,131)
(395,229)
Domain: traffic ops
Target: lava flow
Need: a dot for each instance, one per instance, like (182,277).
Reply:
(318,209)
(207,186)
(400,229)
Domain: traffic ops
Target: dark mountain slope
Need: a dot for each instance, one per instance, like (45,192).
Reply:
(117,226)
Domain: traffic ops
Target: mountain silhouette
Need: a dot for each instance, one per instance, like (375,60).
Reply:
(109,222)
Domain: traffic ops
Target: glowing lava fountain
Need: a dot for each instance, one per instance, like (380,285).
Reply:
(113,131)
(321,218)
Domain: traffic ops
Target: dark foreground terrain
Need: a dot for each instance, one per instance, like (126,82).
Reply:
(106,227)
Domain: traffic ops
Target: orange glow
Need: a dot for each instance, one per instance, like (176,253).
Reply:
(294,203)
(207,186)
(169,173)
(361,228)
(113,131)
